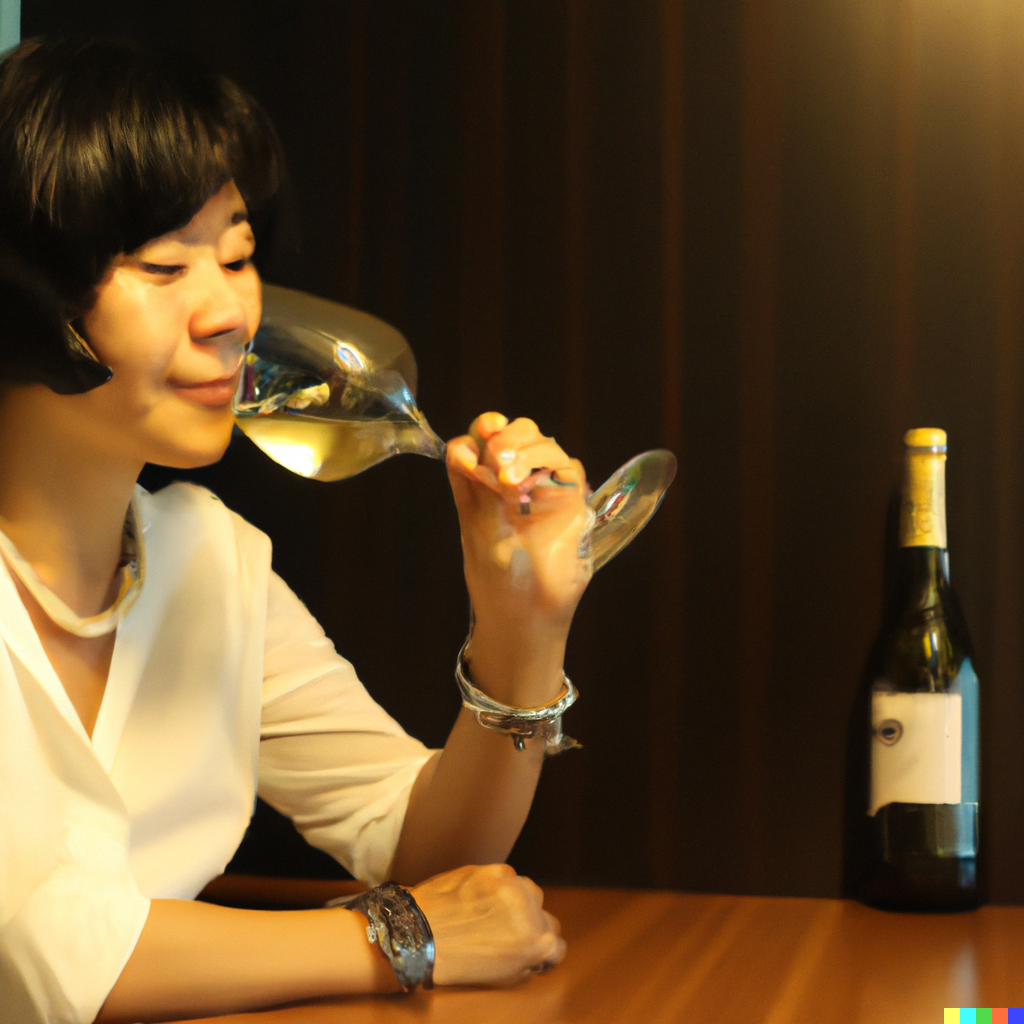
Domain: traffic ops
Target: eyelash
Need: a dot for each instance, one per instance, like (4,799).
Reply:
(170,269)
(164,269)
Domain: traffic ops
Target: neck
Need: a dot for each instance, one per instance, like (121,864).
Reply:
(62,504)
(925,582)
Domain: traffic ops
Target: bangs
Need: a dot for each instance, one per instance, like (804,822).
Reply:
(113,146)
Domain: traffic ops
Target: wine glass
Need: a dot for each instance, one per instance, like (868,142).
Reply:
(327,391)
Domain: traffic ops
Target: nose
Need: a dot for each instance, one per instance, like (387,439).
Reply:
(219,312)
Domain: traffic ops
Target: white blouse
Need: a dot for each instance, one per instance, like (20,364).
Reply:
(221,683)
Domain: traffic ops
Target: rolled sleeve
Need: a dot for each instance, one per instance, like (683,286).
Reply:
(331,758)
(66,946)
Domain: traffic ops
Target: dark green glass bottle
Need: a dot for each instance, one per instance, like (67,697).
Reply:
(923,771)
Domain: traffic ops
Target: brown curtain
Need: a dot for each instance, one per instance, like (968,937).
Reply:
(769,235)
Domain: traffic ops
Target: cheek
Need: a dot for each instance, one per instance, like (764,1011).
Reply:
(132,330)
(250,294)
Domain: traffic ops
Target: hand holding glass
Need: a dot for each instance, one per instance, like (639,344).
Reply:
(327,391)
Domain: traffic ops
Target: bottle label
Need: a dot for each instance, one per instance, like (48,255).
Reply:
(916,741)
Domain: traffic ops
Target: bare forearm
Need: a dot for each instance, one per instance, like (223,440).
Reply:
(518,659)
(194,959)
(469,804)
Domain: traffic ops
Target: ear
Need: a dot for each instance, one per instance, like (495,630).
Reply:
(37,345)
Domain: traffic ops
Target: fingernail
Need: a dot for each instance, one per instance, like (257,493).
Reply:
(495,422)
(512,476)
(559,481)
(506,457)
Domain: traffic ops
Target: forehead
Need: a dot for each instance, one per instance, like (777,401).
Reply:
(221,212)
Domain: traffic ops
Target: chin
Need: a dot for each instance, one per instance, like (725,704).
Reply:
(202,450)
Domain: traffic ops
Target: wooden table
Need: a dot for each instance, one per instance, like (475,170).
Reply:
(663,957)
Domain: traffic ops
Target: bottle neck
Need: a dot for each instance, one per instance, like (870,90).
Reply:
(923,508)
(925,564)
(924,578)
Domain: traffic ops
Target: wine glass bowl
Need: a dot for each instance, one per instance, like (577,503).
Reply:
(328,391)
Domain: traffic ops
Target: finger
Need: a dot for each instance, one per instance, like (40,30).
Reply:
(520,433)
(514,464)
(521,430)
(485,426)
(463,459)
(498,440)
(511,459)
(554,955)
(531,890)
(542,923)
(554,925)
(547,490)
(461,453)
(569,475)
(541,458)
(500,870)
(510,468)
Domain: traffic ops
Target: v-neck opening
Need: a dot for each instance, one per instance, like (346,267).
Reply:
(115,706)
(21,636)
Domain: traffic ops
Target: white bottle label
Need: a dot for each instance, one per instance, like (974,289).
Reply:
(915,748)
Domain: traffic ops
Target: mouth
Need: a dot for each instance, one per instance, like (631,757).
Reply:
(213,394)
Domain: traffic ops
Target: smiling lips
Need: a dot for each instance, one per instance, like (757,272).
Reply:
(212,393)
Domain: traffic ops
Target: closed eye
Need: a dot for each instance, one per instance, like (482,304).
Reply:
(165,269)
(238,264)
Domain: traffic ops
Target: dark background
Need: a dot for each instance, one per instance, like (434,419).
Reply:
(769,235)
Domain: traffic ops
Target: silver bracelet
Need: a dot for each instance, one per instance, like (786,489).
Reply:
(401,930)
(519,723)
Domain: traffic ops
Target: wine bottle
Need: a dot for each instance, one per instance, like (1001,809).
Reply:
(923,775)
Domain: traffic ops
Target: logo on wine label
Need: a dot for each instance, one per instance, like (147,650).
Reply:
(889,731)
(921,516)
(916,748)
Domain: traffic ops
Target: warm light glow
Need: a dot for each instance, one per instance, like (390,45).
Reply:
(299,458)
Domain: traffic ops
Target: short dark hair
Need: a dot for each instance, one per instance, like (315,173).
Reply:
(105,145)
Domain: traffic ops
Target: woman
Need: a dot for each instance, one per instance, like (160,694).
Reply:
(153,666)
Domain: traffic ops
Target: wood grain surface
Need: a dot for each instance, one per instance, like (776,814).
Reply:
(666,957)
